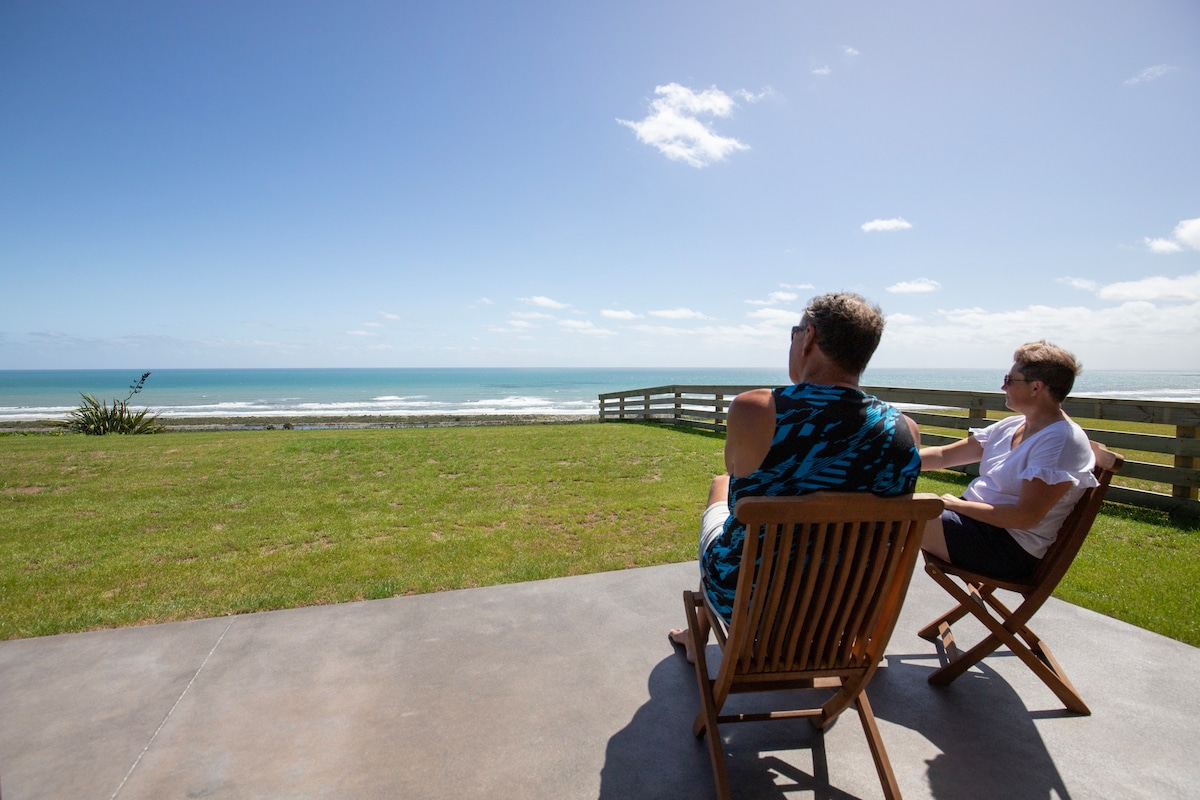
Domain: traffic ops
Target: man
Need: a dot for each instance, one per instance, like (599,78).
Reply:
(821,432)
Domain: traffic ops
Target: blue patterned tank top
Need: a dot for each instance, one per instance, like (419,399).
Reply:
(826,437)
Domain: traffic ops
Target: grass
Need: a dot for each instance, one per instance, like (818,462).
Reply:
(111,531)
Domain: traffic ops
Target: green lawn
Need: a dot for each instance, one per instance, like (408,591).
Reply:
(125,530)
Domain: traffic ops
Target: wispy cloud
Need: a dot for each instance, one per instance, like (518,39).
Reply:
(361,333)
(894,224)
(533,315)
(585,327)
(1086,284)
(675,128)
(544,302)
(823,70)
(848,50)
(612,313)
(775,298)
(1149,74)
(1186,234)
(389,315)
(755,97)
(679,313)
(1163,246)
(915,287)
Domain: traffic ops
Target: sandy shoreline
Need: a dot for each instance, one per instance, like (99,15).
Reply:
(177,424)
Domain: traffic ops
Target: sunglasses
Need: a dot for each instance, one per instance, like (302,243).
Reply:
(797,330)
(1010,379)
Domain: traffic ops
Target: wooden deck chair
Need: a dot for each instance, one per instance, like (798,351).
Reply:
(819,620)
(1009,627)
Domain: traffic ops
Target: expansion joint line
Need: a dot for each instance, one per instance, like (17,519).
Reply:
(178,700)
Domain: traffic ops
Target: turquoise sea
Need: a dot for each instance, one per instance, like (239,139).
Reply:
(44,394)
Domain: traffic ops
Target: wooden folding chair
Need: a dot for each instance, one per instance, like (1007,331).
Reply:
(1009,627)
(822,581)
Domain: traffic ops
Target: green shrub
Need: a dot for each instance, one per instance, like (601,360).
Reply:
(96,418)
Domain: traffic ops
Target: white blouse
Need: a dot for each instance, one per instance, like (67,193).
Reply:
(1056,454)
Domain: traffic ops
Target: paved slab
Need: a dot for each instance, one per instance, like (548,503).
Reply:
(561,689)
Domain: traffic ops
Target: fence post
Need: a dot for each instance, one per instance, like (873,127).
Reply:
(1187,462)
(678,406)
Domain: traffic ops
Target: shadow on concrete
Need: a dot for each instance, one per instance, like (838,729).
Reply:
(988,743)
(657,756)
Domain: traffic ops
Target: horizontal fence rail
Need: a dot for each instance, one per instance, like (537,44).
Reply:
(936,410)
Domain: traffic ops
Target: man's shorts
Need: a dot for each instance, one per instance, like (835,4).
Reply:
(985,548)
(712,524)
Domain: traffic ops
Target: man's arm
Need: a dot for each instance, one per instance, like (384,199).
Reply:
(749,429)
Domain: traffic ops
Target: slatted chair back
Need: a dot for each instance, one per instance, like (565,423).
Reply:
(1078,524)
(820,587)
(829,575)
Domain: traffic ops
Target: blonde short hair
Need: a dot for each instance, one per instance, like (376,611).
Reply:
(1050,364)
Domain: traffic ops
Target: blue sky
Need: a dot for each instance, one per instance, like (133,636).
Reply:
(279,184)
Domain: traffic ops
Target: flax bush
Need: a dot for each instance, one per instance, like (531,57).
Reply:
(96,418)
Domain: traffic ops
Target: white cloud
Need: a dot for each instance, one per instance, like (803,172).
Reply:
(822,71)
(1157,288)
(389,315)
(1163,246)
(661,330)
(679,313)
(894,224)
(848,50)
(583,326)
(674,128)
(612,313)
(781,316)
(1129,335)
(520,323)
(484,301)
(915,287)
(1080,283)
(361,333)
(1188,232)
(774,298)
(1149,74)
(902,319)
(544,302)
(753,97)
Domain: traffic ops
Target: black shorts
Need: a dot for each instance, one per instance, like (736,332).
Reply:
(986,549)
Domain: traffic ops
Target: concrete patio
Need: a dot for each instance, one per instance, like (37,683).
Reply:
(561,689)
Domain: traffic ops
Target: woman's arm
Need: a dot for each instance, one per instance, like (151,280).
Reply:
(964,451)
(1034,503)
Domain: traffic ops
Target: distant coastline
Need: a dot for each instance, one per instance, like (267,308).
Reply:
(347,422)
(416,397)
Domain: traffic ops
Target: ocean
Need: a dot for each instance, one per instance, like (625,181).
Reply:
(46,394)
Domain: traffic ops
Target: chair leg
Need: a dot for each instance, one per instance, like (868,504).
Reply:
(887,778)
(1036,655)
(706,720)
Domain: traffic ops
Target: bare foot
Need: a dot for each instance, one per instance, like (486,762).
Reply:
(681,636)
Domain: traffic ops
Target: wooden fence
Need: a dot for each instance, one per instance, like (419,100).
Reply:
(937,410)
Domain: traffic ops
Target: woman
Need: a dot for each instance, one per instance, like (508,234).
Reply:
(1033,467)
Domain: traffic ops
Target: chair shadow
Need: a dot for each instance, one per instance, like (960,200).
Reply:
(656,755)
(989,744)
